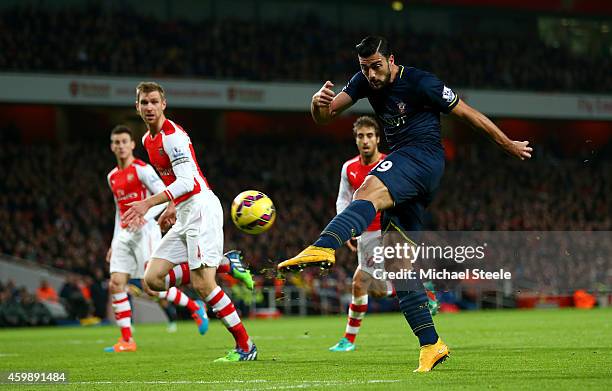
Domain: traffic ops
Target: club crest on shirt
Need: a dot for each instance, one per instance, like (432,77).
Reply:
(161,151)
(401,106)
(448,94)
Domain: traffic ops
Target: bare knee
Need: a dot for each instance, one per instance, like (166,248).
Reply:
(156,272)
(117,283)
(360,284)
(378,288)
(154,281)
(376,192)
(358,288)
(115,287)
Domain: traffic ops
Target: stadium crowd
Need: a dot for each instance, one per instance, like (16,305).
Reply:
(96,41)
(82,298)
(18,307)
(61,214)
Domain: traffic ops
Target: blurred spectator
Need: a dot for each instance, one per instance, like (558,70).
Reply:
(72,295)
(99,293)
(45,292)
(36,314)
(18,307)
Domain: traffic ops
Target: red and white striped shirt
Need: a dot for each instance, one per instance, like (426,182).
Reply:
(136,182)
(171,153)
(351,178)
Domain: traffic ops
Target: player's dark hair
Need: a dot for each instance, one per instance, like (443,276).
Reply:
(373,44)
(121,129)
(149,86)
(366,121)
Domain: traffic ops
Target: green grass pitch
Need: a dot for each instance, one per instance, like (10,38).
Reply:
(543,349)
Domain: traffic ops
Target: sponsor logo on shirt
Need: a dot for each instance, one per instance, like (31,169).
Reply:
(393,121)
(165,171)
(128,196)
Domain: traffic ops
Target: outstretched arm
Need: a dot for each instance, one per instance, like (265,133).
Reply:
(326,105)
(154,185)
(177,148)
(518,149)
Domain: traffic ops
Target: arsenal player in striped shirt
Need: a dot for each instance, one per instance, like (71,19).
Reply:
(132,180)
(197,234)
(367,136)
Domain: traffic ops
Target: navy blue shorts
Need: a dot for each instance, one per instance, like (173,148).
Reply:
(412,175)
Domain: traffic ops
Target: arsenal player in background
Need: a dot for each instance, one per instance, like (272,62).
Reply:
(132,244)
(197,234)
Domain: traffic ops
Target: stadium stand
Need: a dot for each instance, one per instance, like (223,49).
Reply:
(94,40)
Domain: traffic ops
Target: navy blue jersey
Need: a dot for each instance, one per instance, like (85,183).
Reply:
(409,108)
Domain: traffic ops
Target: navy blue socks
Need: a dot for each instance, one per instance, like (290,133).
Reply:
(414,306)
(351,222)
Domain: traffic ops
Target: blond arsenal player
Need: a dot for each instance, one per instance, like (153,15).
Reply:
(132,180)
(197,234)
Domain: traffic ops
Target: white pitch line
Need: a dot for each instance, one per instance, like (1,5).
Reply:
(170,381)
(322,383)
(299,383)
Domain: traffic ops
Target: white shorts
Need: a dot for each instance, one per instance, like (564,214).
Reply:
(131,250)
(365,251)
(197,235)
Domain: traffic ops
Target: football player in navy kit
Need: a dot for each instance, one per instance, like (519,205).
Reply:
(408,102)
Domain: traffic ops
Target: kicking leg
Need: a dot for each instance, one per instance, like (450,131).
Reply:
(371,197)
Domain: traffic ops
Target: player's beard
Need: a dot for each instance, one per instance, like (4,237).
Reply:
(385,81)
(368,155)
